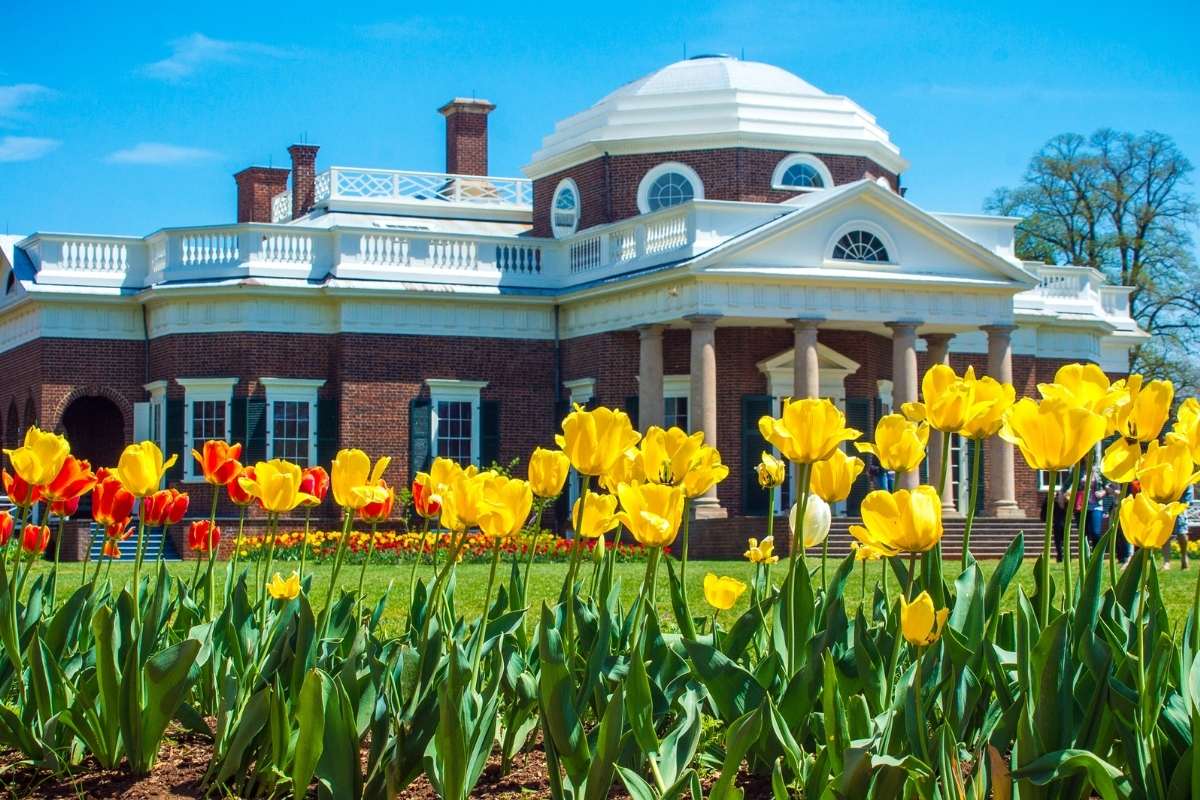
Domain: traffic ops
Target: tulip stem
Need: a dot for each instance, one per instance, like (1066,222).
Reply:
(412,575)
(1068,592)
(568,590)
(137,562)
(1113,526)
(1081,525)
(1044,589)
(918,703)
(237,552)
(972,499)
(487,601)
(362,573)
(272,531)
(62,522)
(304,541)
(212,552)
(537,531)
(337,566)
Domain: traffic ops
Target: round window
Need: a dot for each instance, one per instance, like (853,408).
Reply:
(564,210)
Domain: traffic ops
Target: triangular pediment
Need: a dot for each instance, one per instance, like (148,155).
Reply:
(920,248)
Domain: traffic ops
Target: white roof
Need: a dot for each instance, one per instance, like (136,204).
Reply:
(714,101)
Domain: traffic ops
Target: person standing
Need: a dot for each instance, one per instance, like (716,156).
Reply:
(1181,533)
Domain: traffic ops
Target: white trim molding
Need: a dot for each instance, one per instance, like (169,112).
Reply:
(657,171)
(580,390)
(296,390)
(787,162)
(200,390)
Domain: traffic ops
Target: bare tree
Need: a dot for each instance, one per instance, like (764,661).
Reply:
(1120,203)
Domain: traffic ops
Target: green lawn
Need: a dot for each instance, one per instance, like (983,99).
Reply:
(546,579)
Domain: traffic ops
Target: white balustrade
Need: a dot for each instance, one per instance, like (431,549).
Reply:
(217,247)
(454,253)
(345,183)
(287,248)
(587,253)
(384,250)
(665,235)
(94,255)
(519,258)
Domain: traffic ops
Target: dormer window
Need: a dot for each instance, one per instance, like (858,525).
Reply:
(669,185)
(860,245)
(564,209)
(801,172)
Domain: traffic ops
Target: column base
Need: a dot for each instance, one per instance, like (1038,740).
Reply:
(1005,508)
(950,511)
(708,510)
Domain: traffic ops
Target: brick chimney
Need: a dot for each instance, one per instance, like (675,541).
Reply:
(255,188)
(304,177)
(466,135)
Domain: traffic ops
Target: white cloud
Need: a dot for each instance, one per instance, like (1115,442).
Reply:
(191,53)
(158,154)
(15,98)
(25,148)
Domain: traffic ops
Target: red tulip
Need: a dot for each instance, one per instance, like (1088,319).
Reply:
(424,501)
(203,536)
(111,549)
(164,507)
(73,480)
(6,527)
(111,503)
(65,508)
(35,538)
(237,494)
(118,531)
(219,461)
(314,481)
(379,511)
(19,492)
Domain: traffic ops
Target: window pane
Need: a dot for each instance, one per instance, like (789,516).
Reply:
(669,189)
(453,435)
(675,412)
(290,431)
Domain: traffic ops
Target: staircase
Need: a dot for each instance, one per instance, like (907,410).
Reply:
(990,536)
(129,546)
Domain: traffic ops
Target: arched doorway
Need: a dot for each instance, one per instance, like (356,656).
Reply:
(95,428)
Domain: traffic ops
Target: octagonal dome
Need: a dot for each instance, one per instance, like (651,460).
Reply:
(717,101)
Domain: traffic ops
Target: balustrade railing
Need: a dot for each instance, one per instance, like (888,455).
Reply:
(347,183)
(281,206)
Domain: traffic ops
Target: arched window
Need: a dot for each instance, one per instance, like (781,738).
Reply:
(801,172)
(669,185)
(860,245)
(564,209)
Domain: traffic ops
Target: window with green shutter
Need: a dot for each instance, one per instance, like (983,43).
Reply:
(754,498)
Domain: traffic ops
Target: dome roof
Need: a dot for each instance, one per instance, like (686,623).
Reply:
(717,101)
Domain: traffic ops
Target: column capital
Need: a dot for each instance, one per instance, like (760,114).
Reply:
(650,331)
(701,320)
(805,322)
(937,338)
(904,325)
(999,329)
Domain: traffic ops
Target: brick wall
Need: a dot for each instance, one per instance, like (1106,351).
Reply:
(608,185)
(304,177)
(467,136)
(256,186)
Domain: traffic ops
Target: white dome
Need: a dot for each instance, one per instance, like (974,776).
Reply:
(717,101)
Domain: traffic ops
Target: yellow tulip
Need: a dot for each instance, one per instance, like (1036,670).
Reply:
(351,470)
(504,506)
(865,552)
(1082,385)
(281,589)
(1120,460)
(722,593)
(899,443)
(990,400)
(761,552)
(594,440)
(1146,522)
(652,512)
(1166,470)
(626,469)
(808,431)
(1052,434)
(705,472)
(599,515)
(832,478)
(946,400)
(141,468)
(919,622)
(462,500)
(1142,415)
(667,455)
(900,522)
(276,485)
(1187,426)
(771,471)
(817,519)
(548,472)
(39,460)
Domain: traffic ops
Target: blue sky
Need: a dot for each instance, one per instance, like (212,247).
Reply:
(123,124)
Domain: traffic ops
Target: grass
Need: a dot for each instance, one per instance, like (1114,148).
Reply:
(546,580)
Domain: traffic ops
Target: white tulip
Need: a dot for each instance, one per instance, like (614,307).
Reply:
(817,519)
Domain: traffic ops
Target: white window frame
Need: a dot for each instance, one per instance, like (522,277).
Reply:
(678,386)
(656,172)
(870,227)
(157,413)
(296,390)
(450,390)
(198,390)
(787,162)
(561,231)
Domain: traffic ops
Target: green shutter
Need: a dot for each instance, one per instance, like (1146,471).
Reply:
(327,430)
(420,436)
(754,406)
(632,408)
(256,430)
(859,413)
(174,439)
(489,432)
(237,425)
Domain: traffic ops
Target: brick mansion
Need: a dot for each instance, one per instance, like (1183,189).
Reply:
(694,247)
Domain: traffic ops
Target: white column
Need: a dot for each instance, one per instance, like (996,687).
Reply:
(704,399)
(1001,483)
(650,376)
(937,345)
(904,381)
(806,370)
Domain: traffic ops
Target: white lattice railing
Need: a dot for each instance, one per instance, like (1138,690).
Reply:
(344,183)
(281,206)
